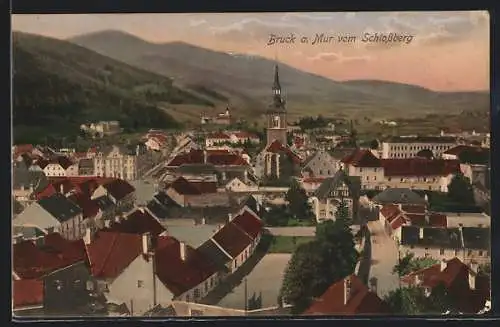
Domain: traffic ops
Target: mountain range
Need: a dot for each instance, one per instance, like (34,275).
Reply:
(112,75)
(246,81)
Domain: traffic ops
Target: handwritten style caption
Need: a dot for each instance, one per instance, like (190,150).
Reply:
(322,38)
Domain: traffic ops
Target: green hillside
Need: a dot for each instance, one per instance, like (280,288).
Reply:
(57,86)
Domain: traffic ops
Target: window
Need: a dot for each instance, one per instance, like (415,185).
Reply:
(480,253)
(206,286)
(412,246)
(441,251)
(90,285)
(196,293)
(360,170)
(188,298)
(140,283)
(235,263)
(469,253)
(480,225)
(211,282)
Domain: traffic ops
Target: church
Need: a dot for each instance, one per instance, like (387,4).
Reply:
(277,161)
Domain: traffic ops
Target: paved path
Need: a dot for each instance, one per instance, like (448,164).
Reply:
(384,258)
(265,279)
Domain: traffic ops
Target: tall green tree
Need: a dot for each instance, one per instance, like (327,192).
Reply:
(318,264)
(460,190)
(409,263)
(406,301)
(298,204)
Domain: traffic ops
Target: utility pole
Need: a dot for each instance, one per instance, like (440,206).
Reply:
(246,295)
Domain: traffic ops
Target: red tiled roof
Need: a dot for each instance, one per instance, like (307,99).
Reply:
(30,261)
(433,219)
(118,188)
(362,158)
(438,220)
(21,149)
(459,149)
(218,135)
(390,212)
(138,222)
(89,207)
(184,187)
(398,222)
(276,147)
(455,278)
(245,135)
(180,275)
(215,157)
(249,223)
(27,292)
(413,208)
(232,239)
(62,161)
(110,253)
(419,167)
(361,300)
(313,180)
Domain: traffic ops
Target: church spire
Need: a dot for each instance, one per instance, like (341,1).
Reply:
(277,100)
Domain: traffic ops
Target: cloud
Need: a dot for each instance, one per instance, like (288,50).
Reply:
(301,17)
(437,28)
(252,29)
(197,22)
(339,58)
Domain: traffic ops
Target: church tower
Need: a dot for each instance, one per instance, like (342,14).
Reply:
(276,114)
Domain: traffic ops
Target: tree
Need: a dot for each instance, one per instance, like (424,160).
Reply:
(342,214)
(409,264)
(316,265)
(298,204)
(460,190)
(406,301)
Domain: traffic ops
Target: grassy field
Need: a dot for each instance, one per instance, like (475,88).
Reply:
(286,244)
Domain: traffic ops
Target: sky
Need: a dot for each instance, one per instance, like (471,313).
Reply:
(445,51)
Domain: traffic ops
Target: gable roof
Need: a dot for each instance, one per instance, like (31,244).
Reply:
(27,293)
(31,261)
(180,275)
(248,222)
(455,277)
(60,207)
(331,183)
(118,188)
(62,161)
(138,222)
(276,147)
(398,195)
(212,251)
(232,239)
(109,253)
(362,158)
(89,207)
(360,301)
(419,167)
(449,238)
(214,157)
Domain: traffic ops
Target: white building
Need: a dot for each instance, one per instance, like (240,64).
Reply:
(120,163)
(408,147)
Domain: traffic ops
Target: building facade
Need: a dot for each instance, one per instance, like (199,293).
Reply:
(409,147)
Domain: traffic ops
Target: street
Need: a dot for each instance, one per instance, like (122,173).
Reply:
(265,279)
(384,258)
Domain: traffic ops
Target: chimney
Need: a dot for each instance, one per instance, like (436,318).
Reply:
(61,189)
(118,219)
(427,217)
(146,243)
(347,289)
(107,223)
(203,221)
(472,280)
(229,217)
(373,285)
(183,249)
(87,239)
(421,233)
(443,264)
(205,156)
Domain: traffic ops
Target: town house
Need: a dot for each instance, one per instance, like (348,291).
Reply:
(120,162)
(469,291)
(59,265)
(408,147)
(348,296)
(320,164)
(55,213)
(236,241)
(121,193)
(60,166)
(332,192)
